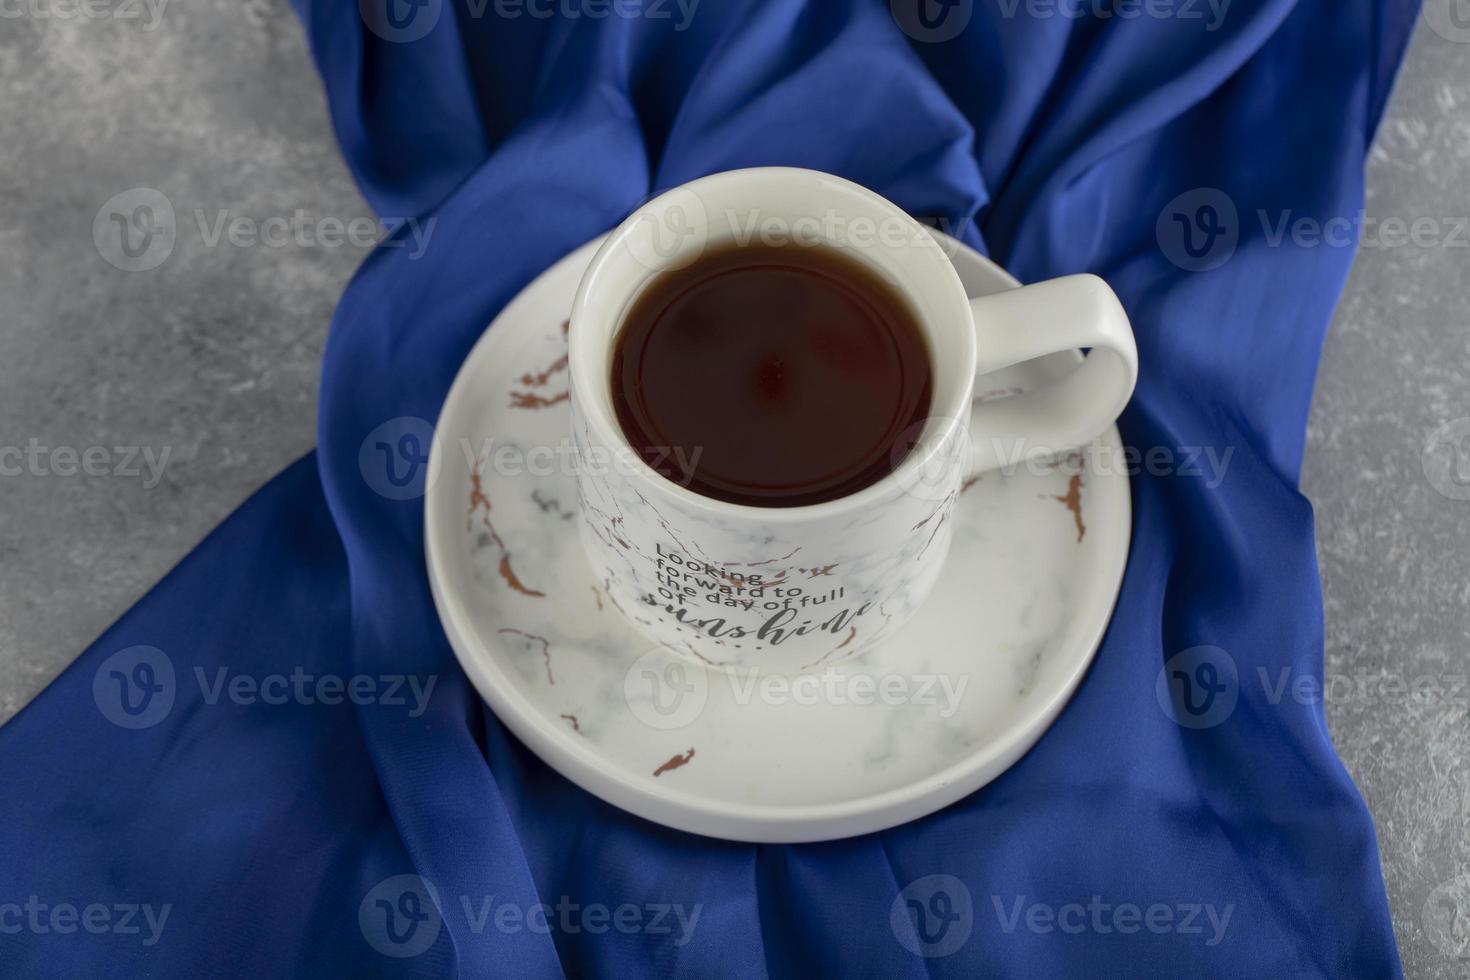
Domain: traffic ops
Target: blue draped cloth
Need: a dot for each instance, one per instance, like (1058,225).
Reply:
(1160,152)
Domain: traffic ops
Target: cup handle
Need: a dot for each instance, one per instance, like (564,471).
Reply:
(1030,322)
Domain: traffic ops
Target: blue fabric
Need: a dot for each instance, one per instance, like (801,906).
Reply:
(1055,143)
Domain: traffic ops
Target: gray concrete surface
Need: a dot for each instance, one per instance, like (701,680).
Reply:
(212,359)
(1394,551)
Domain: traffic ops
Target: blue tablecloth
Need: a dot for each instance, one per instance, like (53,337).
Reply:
(1182,818)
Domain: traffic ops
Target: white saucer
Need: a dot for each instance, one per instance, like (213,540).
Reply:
(1027,593)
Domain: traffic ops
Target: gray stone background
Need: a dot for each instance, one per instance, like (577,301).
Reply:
(214,357)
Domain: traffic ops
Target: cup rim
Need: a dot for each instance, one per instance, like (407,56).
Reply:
(596,414)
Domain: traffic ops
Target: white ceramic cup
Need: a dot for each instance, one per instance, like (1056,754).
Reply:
(789,588)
